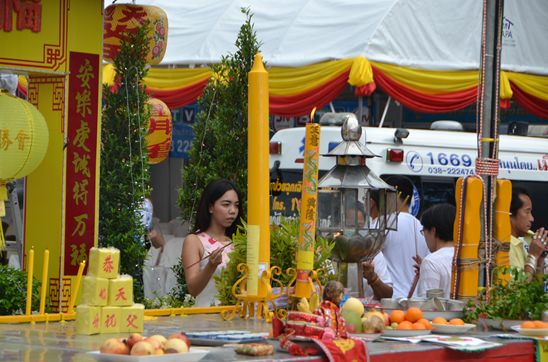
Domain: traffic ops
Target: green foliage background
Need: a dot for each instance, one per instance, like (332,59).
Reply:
(125,179)
(219,149)
(516,300)
(13,291)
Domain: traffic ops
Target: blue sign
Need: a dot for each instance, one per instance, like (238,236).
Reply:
(181,140)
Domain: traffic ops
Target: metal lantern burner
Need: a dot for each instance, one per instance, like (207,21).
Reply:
(356,208)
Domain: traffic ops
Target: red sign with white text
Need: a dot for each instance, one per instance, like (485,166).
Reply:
(83,98)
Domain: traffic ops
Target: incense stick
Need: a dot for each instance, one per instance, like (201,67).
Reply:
(208,255)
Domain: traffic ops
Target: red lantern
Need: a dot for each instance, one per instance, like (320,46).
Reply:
(126,18)
(158,137)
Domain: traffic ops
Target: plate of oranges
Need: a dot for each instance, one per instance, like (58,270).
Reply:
(407,323)
(452,326)
(532,328)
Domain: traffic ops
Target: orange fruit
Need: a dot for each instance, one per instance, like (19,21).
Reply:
(456,322)
(528,325)
(439,320)
(397,316)
(540,324)
(419,325)
(413,314)
(426,323)
(405,325)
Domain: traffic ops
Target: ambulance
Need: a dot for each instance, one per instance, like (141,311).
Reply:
(432,158)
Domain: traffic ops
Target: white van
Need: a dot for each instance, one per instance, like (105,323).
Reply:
(432,159)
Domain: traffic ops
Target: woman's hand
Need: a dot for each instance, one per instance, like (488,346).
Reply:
(216,257)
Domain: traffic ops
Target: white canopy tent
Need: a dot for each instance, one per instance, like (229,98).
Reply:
(424,34)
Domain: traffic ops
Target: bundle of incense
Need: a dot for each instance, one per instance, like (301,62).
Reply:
(207,256)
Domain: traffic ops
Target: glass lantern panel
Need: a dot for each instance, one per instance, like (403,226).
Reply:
(329,210)
(388,209)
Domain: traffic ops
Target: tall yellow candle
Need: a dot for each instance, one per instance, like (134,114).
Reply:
(76,287)
(30,271)
(258,173)
(465,272)
(503,229)
(307,225)
(44,287)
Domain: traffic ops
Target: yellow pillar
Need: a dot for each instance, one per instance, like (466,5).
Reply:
(258,175)
(465,275)
(503,229)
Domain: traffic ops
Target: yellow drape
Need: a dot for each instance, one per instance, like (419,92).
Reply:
(165,78)
(535,85)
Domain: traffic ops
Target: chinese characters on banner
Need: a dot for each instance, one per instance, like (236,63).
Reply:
(81,159)
(28,15)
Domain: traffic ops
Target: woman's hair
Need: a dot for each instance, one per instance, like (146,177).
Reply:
(213,192)
(442,217)
(517,202)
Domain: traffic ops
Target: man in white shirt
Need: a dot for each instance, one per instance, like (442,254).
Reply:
(435,270)
(404,243)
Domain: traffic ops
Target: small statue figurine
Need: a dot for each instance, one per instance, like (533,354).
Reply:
(330,311)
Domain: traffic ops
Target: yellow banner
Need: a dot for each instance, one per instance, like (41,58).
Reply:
(253,237)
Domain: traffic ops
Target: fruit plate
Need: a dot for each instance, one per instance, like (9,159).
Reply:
(405,332)
(192,355)
(536,332)
(451,329)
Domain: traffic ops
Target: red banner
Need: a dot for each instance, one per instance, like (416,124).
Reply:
(83,98)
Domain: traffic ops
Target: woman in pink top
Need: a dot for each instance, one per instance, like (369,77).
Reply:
(219,214)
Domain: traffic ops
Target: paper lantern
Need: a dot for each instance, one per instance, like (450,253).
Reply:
(158,137)
(127,18)
(23,137)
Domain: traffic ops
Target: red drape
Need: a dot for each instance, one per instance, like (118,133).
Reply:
(422,102)
(303,103)
(537,106)
(180,97)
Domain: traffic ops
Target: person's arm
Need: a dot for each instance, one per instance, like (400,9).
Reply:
(380,288)
(192,253)
(156,237)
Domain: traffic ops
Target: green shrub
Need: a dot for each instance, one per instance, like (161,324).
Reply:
(13,286)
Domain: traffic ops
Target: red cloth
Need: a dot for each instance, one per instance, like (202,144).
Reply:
(422,102)
(344,349)
(303,103)
(536,106)
(333,318)
(176,98)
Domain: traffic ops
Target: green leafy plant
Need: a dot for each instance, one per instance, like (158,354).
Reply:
(124,158)
(283,249)
(13,284)
(219,149)
(516,299)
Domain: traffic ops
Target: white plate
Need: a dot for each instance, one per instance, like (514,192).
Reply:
(537,332)
(405,332)
(451,329)
(501,324)
(191,356)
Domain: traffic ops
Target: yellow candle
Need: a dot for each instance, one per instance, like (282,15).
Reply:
(44,286)
(30,270)
(258,174)
(307,225)
(76,287)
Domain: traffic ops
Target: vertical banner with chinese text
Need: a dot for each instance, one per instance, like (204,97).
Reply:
(81,148)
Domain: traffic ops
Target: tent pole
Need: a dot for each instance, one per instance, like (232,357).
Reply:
(488,112)
(385,111)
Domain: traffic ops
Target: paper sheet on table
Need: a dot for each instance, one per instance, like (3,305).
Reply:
(461,343)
